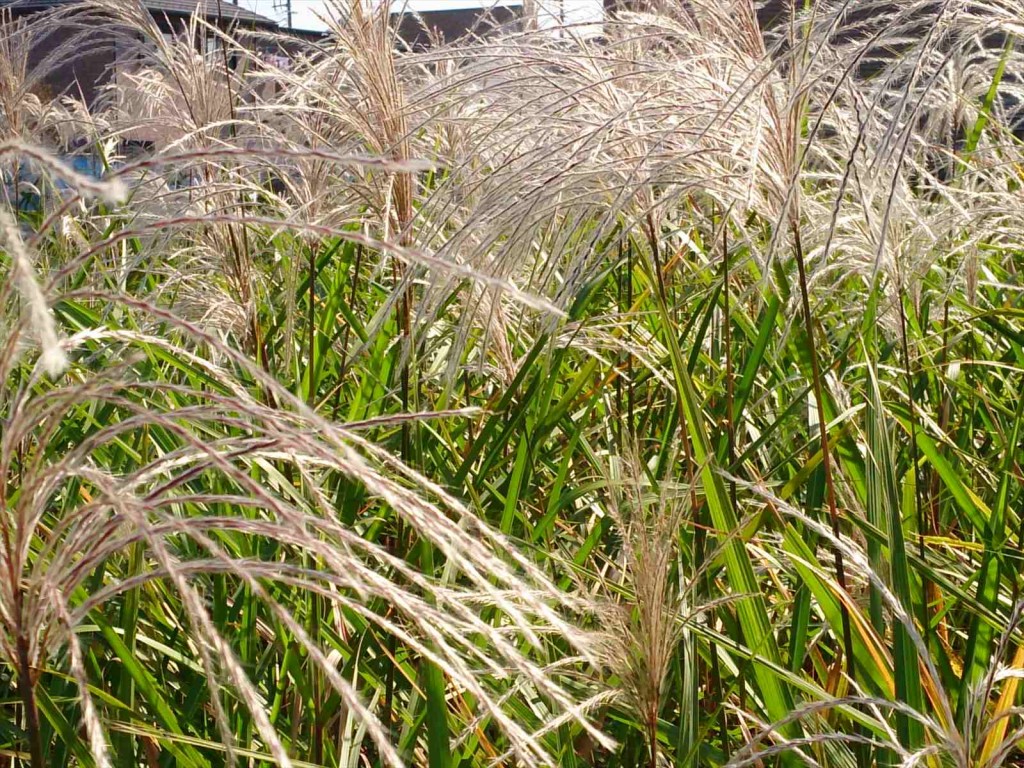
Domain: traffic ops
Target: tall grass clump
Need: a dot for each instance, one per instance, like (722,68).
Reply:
(643,395)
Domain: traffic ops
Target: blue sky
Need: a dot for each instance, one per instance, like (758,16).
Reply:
(305,12)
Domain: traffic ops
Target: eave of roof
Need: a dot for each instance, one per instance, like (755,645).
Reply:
(208,9)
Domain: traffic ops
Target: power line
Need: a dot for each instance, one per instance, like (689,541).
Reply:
(286,6)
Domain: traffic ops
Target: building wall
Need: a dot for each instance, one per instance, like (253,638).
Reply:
(92,55)
(83,69)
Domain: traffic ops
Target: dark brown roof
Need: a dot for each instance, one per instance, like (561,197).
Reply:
(416,29)
(208,9)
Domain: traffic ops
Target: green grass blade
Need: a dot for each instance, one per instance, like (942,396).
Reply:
(882,477)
